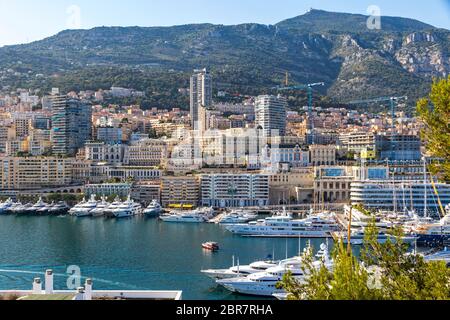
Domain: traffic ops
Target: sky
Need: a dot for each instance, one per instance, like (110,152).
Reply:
(23,21)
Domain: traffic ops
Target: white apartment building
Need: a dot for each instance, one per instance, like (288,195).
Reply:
(103,152)
(148,152)
(234,190)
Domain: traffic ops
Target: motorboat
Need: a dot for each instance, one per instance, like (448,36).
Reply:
(108,211)
(4,206)
(84,208)
(184,217)
(211,246)
(127,209)
(237,217)
(99,211)
(58,208)
(153,210)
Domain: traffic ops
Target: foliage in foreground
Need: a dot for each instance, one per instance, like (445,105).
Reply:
(387,272)
(435,113)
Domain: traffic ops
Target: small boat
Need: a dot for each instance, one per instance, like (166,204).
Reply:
(211,246)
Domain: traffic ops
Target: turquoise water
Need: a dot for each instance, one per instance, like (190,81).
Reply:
(131,254)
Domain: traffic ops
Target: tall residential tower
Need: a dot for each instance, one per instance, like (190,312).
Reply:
(71,124)
(201,99)
(270,114)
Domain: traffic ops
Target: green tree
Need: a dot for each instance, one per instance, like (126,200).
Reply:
(435,113)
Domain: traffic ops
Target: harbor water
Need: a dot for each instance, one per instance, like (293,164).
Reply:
(130,254)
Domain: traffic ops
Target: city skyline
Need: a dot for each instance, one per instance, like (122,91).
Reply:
(53,18)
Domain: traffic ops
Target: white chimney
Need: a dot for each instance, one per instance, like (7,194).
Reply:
(49,282)
(88,290)
(37,286)
(80,294)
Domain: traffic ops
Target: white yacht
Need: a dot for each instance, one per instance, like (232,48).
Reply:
(238,217)
(4,206)
(37,207)
(284,226)
(265,283)
(194,216)
(99,211)
(84,208)
(108,212)
(358,235)
(154,209)
(58,208)
(239,271)
(127,209)
(20,208)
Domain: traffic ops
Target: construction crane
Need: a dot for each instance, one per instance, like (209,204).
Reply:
(309,90)
(393,102)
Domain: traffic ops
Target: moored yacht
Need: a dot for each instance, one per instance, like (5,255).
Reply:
(284,226)
(127,209)
(99,211)
(194,216)
(237,217)
(108,211)
(84,208)
(4,206)
(357,237)
(153,210)
(239,271)
(58,208)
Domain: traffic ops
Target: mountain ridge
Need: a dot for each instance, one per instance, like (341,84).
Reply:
(336,48)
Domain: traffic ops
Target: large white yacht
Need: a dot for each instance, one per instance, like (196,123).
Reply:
(154,209)
(239,271)
(37,207)
(265,283)
(99,211)
(108,212)
(284,226)
(195,216)
(84,208)
(435,233)
(127,209)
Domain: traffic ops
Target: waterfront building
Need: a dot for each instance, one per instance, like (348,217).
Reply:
(148,152)
(103,152)
(291,187)
(270,112)
(108,189)
(291,154)
(146,192)
(71,124)
(134,173)
(400,195)
(180,190)
(34,172)
(322,155)
(234,190)
(201,99)
(332,184)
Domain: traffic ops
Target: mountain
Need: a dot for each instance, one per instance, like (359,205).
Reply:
(336,48)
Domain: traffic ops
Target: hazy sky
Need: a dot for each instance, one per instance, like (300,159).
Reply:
(23,21)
